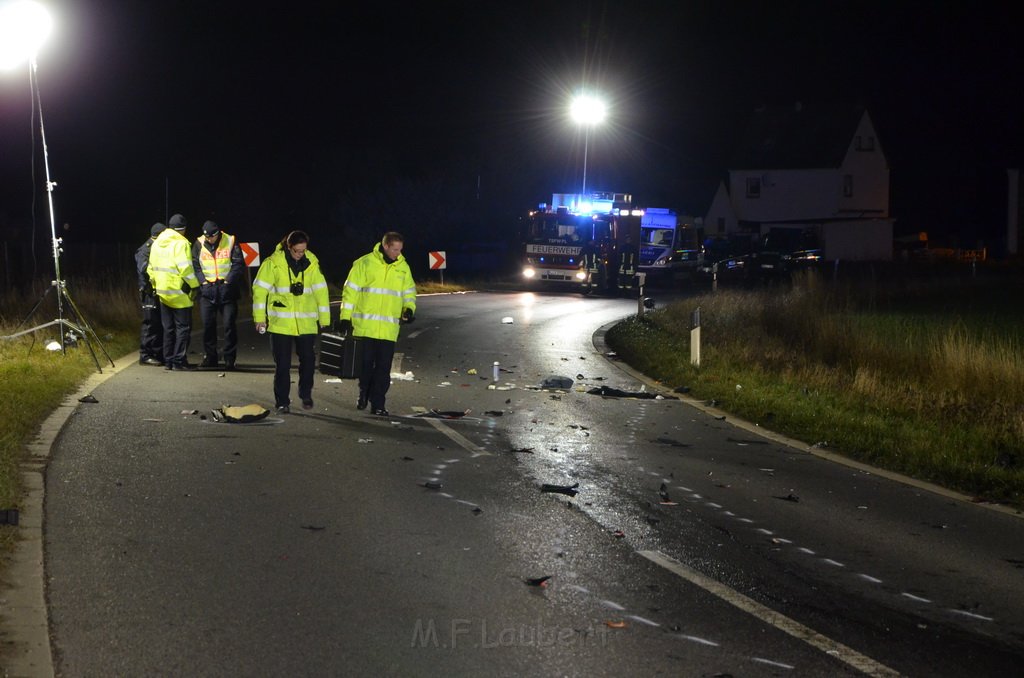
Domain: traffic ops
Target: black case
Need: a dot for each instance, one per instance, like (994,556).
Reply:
(340,355)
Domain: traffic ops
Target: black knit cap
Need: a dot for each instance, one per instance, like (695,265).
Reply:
(178,222)
(211,228)
(156,229)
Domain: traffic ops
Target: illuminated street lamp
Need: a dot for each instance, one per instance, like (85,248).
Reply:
(587,111)
(24,26)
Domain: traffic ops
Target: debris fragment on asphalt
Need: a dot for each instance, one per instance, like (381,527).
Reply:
(188,412)
(444,414)
(665,499)
(332,380)
(523,450)
(615,624)
(561,489)
(789,497)
(471,370)
(433,485)
(494,413)
(365,440)
(609,392)
(88,399)
(507,320)
(403,376)
(538,581)
(240,414)
(477,510)
(557,383)
(312,528)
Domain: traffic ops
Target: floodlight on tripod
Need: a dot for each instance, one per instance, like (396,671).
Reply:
(24,25)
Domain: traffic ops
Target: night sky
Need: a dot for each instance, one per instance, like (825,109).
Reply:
(431,117)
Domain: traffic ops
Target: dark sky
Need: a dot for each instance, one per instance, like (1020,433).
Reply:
(320,115)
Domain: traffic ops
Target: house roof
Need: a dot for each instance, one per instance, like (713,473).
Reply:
(797,137)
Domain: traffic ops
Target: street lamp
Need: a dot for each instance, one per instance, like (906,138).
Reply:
(24,26)
(587,111)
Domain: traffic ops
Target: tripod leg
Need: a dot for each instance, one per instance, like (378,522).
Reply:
(86,330)
(38,303)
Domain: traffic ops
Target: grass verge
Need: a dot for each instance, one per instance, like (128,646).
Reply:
(925,380)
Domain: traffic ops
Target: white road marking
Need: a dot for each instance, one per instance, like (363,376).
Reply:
(459,439)
(919,599)
(794,628)
(970,614)
(702,641)
(769,662)
(868,577)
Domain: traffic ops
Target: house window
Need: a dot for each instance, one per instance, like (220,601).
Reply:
(847,185)
(864,143)
(754,187)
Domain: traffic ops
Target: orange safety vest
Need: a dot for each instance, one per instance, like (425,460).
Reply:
(217,263)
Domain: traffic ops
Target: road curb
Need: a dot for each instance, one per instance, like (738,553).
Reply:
(24,619)
(602,347)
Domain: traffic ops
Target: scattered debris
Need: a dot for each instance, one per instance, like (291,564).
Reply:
(557,383)
(615,624)
(561,489)
(494,413)
(523,450)
(507,320)
(618,534)
(447,414)
(188,412)
(538,581)
(245,414)
(789,497)
(477,510)
(400,376)
(665,499)
(88,399)
(312,528)
(609,392)
(365,440)
(580,377)
(433,485)
(408,458)
(332,380)
(471,370)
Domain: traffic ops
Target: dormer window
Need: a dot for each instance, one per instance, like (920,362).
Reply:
(753,187)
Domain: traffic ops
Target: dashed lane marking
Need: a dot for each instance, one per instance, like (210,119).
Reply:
(794,628)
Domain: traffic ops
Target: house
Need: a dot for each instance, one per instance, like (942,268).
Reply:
(815,168)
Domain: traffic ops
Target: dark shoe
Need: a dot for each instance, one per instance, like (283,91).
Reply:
(151,361)
(229,367)
(362,402)
(208,362)
(168,366)
(283,409)
(307,403)
(186,367)
(380,412)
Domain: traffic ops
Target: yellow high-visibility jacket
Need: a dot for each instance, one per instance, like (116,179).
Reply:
(375,295)
(286,313)
(170,265)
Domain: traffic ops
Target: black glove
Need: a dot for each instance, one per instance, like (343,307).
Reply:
(343,326)
(185,287)
(407,316)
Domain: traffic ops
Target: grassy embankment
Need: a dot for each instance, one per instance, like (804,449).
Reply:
(923,378)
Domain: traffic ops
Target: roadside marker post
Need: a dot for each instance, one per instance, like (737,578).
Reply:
(438,262)
(695,337)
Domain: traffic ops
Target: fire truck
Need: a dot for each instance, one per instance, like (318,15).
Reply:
(576,240)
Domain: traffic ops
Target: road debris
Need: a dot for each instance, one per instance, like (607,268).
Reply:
(88,399)
(443,414)
(365,440)
(312,528)
(507,320)
(433,485)
(569,490)
(665,499)
(538,581)
(245,414)
(789,497)
(186,413)
(619,624)
(557,383)
(494,413)
(609,392)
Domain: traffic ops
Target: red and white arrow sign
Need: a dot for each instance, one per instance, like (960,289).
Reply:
(251,253)
(438,261)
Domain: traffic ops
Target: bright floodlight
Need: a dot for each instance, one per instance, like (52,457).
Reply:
(24,25)
(587,110)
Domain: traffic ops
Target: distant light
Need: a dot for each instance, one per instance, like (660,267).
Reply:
(587,109)
(24,26)
(637,213)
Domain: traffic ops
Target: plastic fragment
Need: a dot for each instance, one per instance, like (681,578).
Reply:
(569,490)
(615,624)
(538,581)
(88,399)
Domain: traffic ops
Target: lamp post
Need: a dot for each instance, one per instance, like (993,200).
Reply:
(24,26)
(587,110)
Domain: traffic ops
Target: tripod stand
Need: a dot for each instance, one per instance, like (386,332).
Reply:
(76,326)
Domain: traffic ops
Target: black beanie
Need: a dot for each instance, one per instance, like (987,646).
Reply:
(178,222)
(210,227)
(157,229)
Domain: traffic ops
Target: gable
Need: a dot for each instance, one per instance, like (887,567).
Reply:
(797,137)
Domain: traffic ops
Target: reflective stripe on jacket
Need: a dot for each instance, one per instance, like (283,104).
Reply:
(376,294)
(285,313)
(216,264)
(170,265)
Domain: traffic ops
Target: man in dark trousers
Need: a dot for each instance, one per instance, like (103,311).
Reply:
(219,266)
(175,284)
(151,339)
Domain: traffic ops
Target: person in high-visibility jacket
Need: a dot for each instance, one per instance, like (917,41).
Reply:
(379,294)
(219,266)
(174,281)
(289,300)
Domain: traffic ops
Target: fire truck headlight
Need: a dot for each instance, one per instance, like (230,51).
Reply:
(663,261)
(581,275)
(529,273)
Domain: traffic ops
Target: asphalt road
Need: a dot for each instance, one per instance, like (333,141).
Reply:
(311,544)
